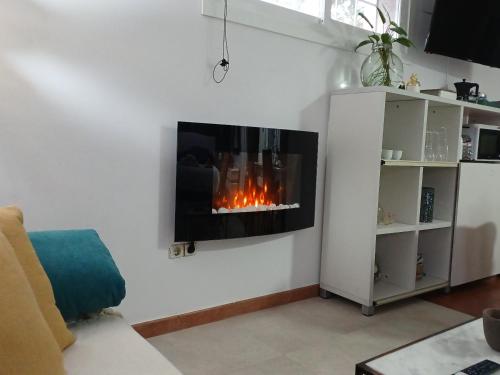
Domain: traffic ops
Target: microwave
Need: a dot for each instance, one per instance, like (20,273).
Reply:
(485,141)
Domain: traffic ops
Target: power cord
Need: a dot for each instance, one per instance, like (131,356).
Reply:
(224,62)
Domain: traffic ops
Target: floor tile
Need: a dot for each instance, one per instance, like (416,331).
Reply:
(212,349)
(313,336)
(276,366)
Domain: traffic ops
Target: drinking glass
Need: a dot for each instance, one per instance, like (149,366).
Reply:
(430,141)
(442,144)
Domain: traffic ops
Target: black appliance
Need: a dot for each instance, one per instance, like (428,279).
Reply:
(484,142)
(467,30)
(240,181)
(467,91)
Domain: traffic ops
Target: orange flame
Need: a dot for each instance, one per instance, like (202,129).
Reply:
(251,196)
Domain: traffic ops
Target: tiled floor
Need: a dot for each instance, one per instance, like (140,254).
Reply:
(313,336)
(470,298)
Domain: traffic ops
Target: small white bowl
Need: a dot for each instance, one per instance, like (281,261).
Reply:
(397,154)
(386,154)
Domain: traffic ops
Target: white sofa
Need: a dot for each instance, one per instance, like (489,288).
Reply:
(107,345)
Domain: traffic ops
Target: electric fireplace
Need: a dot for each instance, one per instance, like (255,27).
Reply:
(239,181)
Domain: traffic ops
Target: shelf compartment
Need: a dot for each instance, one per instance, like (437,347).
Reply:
(389,293)
(404,123)
(436,224)
(435,247)
(443,180)
(399,193)
(395,255)
(417,163)
(451,119)
(481,114)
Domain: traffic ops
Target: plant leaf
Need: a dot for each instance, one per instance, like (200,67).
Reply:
(398,29)
(374,37)
(387,12)
(381,15)
(363,43)
(365,18)
(404,41)
(386,38)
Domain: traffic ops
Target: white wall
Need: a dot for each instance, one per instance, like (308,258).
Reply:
(90,94)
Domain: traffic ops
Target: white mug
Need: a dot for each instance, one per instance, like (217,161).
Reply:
(386,154)
(397,154)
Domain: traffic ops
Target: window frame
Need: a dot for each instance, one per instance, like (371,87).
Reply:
(270,17)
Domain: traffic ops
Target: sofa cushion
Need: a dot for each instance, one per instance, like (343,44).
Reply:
(27,346)
(83,274)
(108,345)
(11,224)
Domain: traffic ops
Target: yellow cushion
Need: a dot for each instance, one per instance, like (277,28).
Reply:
(11,224)
(27,346)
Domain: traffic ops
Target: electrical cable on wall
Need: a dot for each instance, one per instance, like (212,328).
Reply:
(224,62)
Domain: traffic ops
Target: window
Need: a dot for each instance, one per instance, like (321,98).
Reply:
(315,8)
(334,23)
(346,11)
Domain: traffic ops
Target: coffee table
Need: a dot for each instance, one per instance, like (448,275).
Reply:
(445,352)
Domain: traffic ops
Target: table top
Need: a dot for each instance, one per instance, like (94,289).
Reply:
(446,352)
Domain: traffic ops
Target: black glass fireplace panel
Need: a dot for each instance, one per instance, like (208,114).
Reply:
(236,181)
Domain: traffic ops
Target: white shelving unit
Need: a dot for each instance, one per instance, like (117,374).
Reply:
(362,122)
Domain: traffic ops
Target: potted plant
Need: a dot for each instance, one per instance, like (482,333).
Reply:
(383,67)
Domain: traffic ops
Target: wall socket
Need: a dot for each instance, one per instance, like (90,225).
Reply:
(181,249)
(189,249)
(176,250)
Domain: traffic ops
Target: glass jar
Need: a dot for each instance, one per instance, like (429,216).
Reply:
(382,67)
(467,150)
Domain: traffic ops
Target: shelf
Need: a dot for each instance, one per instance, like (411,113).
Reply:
(401,227)
(436,224)
(430,283)
(384,290)
(395,228)
(395,94)
(416,163)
